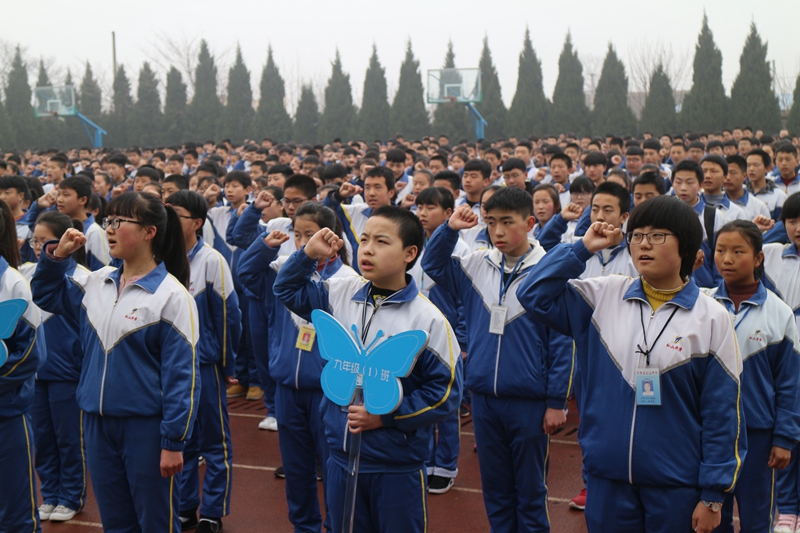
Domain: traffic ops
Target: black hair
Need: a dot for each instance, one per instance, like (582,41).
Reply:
(440,158)
(207,166)
(581,184)
(737,160)
(677,217)
(80,184)
(514,163)
(148,172)
(334,171)
(563,157)
(35,187)
(302,183)
(192,201)
(275,191)
(440,196)
(765,157)
(554,196)
(511,199)
(427,173)
(180,181)
(117,158)
(651,144)
(396,156)
(409,228)
(697,144)
(786,148)
(634,150)
(286,170)
(688,164)
(791,208)
(653,178)
(714,144)
(9,248)
(61,159)
(480,165)
(176,157)
(527,144)
(717,160)
(18,183)
(385,173)
(58,224)
(260,164)
(324,217)
(621,174)
(751,234)
(595,158)
(615,189)
(449,175)
(239,176)
(168,245)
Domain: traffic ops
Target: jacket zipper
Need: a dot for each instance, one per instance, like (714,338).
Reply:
(499,343)
(105,352)
(635,405)
(297,372)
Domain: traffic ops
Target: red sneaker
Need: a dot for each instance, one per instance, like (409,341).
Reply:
(579,501)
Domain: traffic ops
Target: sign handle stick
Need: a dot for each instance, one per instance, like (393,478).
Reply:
(353,463)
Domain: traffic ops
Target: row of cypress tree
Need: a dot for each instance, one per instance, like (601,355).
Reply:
(145,121)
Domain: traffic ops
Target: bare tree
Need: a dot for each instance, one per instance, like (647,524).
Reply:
(592,66)
(783,81)
(643,58)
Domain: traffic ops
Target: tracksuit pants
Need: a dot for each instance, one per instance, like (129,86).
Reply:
(18,510)
(513,455)
(60,457)
(211,438)
(788,485)
(445,445)
(257,327)
(124,457)
(301,437)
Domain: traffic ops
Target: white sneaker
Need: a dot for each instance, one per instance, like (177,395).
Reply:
(271,424)
(46,510)
(62,514)
(786,523)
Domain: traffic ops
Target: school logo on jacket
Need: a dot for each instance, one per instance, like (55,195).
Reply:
(675,344)
(132,314)
(756,336)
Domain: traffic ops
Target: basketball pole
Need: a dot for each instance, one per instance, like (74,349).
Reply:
(114,54)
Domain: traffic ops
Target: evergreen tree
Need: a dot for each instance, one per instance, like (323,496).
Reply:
(658,113)
(793,121)
(7,138)
(306,119)
(90,98)
(338,119)
(704,108)
(492,108)
(611,109)
(529,108)
(272,119)
(238,115)
(147,121)
(408,114)
(373,117)
(49,129)
(753,102)
(569,110)
(204,114)
(452,119)
(175,109)
(121,111)
(18,104)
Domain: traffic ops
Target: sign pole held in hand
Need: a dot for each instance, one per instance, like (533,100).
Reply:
(356,375)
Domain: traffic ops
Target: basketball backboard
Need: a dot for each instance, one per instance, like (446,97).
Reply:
(454,85)
(54,101)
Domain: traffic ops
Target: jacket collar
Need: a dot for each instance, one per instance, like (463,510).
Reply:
(88,223)
(534,255)
(408,293)
(197,247)
(790,251)
(758,298)
(686,298)
(149,282)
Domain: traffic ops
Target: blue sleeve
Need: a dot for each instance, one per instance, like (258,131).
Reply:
(231,224)
(785,362)
(53,291)
(707,275)
(24,358)
(438,261)
(584,222)
(296,290)
(32,214)
(560,370)
(93,262)
(221,246)
(228,317)
(437,398)
(180,384)
(547,295)
(776,215)
(253,267)
(551,233)
(26,253)
(777,234)
(461,327)
(243,230)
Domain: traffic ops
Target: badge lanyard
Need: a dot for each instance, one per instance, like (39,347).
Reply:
(504,286)
(365,328)
(646,353)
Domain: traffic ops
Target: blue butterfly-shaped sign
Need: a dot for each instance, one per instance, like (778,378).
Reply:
(10,313)
(380,367)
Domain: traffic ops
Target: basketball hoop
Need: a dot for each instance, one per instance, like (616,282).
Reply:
(450,101)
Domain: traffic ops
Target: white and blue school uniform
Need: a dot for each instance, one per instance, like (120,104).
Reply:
(26,353)
(392,483)
(557,230)
(476,208)
(767,335)
(771,196)
(443,460)
(220,326)
(476,238)
(729,209)
(98,254)
(296,371)
(648,465)
(514,375)
(782,270)
(707,275)
(25,233)
(139,385)
(615,260)
(354,219)
(752,206)
(60,454)
(791,188)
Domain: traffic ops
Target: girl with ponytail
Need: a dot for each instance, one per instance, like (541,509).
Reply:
(138,385)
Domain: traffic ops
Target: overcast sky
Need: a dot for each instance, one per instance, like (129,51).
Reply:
(304,35)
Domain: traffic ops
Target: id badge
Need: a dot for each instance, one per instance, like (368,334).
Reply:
(497,325)
(648,386)
(305,338)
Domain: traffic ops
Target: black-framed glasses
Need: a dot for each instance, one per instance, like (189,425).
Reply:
(186,217)
(655,238)
(116,222)
(297,202)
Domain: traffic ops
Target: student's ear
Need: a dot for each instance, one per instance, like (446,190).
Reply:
(448,213)
(197,224)
(150,233)
(530,222)
(624,218)
(410,253)
(759,260)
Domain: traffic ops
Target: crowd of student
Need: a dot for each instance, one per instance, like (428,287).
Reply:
(655,280)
